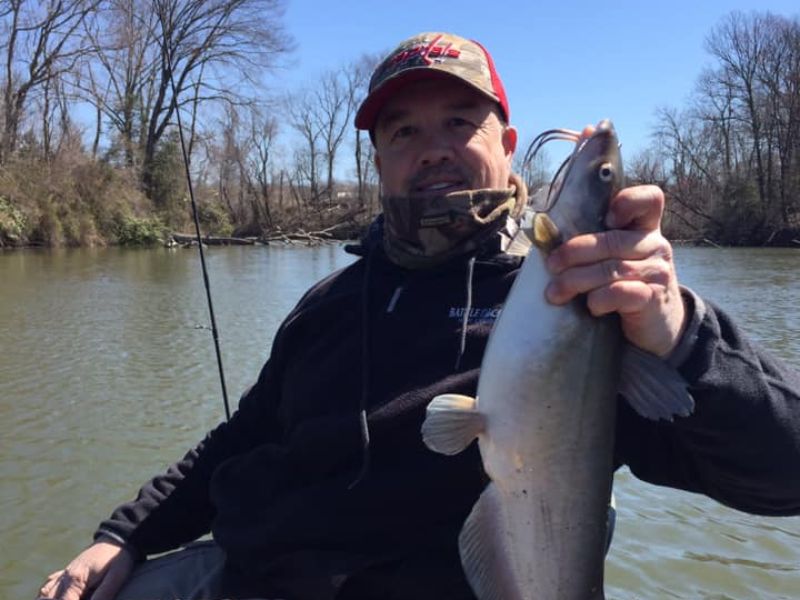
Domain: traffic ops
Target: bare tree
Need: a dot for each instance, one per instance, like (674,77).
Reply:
(691,182)
(241,151)
(300,107)
(229,38)
(263,132)
(779,74)
(334,108)
(229,160)
(42,42)
(366,174)
(357,85)
(119,79)
(323,115)
(58,129)
(733,156)
(738,44)
(215,51)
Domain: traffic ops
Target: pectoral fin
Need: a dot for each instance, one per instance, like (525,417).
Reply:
(451,423)
(653,388)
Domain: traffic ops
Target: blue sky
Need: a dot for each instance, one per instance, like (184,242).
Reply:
(563,64)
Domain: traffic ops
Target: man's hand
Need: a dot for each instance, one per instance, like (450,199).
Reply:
(628,269)
(103,567)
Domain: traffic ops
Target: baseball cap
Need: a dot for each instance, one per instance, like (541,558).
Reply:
(426,56)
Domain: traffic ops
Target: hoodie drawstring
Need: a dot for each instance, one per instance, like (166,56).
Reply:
(467,310)
(365,353)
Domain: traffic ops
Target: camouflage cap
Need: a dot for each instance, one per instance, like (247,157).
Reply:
(429,55)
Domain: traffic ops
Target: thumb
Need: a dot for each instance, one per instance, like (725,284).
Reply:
(71,589)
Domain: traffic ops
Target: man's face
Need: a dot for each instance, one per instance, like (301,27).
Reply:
(439,136)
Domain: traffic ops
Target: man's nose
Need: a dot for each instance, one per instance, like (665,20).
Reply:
(435,149)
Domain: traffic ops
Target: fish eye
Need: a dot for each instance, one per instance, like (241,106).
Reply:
(606,173)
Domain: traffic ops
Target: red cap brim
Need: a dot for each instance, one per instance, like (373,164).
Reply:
(371,107)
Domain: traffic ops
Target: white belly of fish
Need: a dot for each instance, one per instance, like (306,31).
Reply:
(544,418)
(548,395)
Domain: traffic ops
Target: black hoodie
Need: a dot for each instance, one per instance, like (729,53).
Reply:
(296,501)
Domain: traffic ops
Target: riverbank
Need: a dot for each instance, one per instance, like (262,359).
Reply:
(346,232)
(92,204)
(150,233)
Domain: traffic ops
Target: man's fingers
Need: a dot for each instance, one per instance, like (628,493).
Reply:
(48,589)
(623,297)
(585,279)
(102,564)
(639,207)
(66,587)
(627,269)
(616,243)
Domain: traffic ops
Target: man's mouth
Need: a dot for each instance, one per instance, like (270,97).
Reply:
(440,186)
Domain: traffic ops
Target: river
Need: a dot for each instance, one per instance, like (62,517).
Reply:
(107,375)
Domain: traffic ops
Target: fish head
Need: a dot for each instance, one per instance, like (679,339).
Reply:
(591,176)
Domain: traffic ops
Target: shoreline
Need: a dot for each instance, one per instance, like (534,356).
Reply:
(185,241)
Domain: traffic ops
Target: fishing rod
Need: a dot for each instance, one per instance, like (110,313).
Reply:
(185,155)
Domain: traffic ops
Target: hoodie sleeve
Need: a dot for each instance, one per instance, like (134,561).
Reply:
(174,508)
(742,444)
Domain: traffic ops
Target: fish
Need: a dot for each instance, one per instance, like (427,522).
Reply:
(545,411)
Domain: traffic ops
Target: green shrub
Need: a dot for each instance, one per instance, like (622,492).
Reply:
(133,231)
(13,224)
(165,182)
(214,219)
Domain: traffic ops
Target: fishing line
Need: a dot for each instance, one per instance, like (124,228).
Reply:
(214,331)
(566,135)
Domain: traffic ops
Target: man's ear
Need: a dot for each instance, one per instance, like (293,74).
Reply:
(509,140)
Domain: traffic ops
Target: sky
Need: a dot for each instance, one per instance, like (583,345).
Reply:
(563,64)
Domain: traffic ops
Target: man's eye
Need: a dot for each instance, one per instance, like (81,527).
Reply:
(459,122)
(402,132)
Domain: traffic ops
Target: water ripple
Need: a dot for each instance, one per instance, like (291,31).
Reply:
(729,561)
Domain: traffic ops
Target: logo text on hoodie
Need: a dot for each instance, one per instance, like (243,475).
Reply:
(476,314)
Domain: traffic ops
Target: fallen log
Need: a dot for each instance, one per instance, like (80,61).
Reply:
(311,238)
(209,240)
(301,235)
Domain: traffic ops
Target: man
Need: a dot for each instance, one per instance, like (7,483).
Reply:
(320,487)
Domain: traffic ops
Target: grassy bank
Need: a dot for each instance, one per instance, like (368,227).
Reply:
(88,203)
